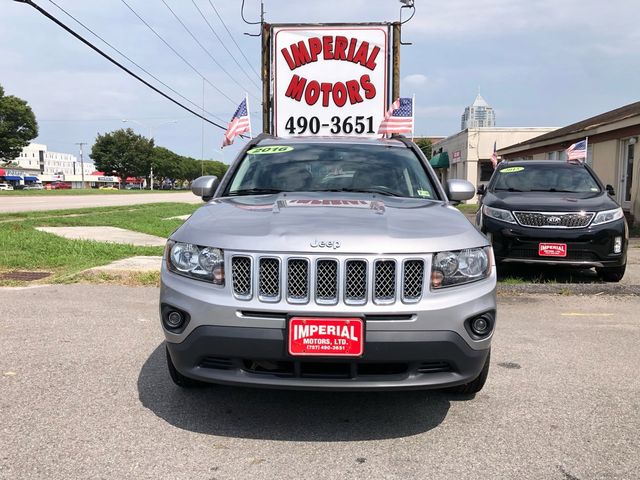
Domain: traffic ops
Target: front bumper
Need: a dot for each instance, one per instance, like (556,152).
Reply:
(255,357)
(407,346)
(586,247)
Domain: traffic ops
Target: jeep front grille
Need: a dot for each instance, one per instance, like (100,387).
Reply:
(327,281)
(384,282)
(412,280)
(298,280)
(355,288)
(241,275)
(554,220)
(269,279)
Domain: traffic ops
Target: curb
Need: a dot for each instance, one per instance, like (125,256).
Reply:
(568,289)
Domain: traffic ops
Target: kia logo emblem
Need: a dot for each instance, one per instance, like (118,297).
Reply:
(554,220)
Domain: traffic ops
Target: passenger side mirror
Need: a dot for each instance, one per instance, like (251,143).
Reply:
(610,190)
(205,187)
(482,189)
(458,190)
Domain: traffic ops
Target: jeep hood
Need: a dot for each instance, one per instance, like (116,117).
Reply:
(358,223)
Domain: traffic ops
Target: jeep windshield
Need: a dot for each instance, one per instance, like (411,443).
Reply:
(315,167)
(554,177)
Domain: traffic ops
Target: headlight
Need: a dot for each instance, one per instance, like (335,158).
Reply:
(608,216)
(463,266)
(202,263)
(498,214)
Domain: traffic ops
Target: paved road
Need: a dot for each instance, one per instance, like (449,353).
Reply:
(84,393)
(19,203)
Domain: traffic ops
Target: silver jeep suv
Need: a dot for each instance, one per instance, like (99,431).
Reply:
(324,263)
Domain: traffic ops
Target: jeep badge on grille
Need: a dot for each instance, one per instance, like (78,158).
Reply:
(325,244)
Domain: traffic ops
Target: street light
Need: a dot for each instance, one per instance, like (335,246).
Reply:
(150,127)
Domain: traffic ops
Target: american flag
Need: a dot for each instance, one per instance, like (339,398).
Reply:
(577,150)
(494,156)
(399,118)
(238,125)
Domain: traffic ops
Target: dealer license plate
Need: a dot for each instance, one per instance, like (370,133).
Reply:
(552,249)
(336,337)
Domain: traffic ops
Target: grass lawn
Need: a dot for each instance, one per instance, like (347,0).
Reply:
(24,248)
(82,191)
(468,207)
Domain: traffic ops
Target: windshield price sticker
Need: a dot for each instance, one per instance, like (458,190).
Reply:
(270,149)
(330,81)
(511,169)
(341,337)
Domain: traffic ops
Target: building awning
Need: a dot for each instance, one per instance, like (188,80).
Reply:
(440,160)
(31,179)
(12,178)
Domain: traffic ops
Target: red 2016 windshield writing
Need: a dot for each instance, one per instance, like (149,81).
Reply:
(337,48)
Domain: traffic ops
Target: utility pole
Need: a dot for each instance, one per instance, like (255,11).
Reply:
(81,161)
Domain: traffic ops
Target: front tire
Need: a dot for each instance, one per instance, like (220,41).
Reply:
(611,274)
(474,386)
(179,379)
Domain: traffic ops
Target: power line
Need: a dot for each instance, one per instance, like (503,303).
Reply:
(115,62)
(203,47)
(130,60)
(223,45)
(233,39)
(177,53)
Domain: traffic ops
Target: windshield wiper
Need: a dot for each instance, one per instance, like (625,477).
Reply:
(255,191)
(359,190)
(552,190)
(510,189)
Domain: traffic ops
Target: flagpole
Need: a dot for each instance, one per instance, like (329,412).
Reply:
(413,117)
(246,98)
(586,149)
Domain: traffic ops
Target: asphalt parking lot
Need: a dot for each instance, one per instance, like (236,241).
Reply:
(84,393)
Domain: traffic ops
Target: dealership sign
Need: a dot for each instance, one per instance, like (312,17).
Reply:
(329,80)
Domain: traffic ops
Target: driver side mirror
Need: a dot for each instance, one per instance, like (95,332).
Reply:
(458,190)
(610,190)
(482,189)
(205,187)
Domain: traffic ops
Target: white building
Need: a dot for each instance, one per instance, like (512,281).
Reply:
(478,115)
(37,156)
(53,166)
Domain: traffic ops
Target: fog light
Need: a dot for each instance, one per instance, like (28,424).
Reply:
(617,245)
(480,326)
(174,319)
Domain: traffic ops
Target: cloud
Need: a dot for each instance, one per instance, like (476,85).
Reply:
(416,79)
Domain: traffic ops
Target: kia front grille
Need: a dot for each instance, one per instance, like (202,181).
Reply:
(554,220)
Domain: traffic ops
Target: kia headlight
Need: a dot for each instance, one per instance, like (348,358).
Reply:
(195,261)
(608,216)
(498,214)
(458,267)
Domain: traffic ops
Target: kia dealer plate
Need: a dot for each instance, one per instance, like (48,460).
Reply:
(552,249)
(338,337)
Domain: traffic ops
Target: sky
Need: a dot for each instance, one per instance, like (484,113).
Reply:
(542,63)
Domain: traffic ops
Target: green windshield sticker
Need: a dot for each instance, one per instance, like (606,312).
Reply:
(270,149)
(424,193)
(511,169)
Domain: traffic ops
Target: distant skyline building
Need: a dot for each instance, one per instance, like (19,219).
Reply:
(478,115)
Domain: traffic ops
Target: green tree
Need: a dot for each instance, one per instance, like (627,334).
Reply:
(425,145)
(17,125)
(123,153)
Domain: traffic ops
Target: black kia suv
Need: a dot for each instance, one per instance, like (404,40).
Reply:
(554,212)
